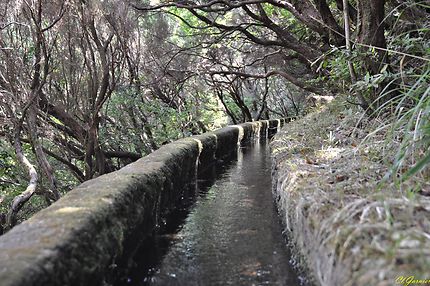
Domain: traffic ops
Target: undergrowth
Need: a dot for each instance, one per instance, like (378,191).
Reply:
(351,230)
(399,97)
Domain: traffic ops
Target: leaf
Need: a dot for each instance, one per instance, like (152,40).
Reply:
(417,168)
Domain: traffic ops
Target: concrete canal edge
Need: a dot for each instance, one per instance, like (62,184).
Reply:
(346,224)
(74,241)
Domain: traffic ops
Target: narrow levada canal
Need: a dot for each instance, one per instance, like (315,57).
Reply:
(231,235)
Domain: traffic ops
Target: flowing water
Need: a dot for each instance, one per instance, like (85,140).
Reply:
(231,235)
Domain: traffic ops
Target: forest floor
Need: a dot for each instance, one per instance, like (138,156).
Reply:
(350,226)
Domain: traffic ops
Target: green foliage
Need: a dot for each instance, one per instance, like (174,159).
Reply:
(183,25)
(10,176)
(7,164)
(398,93)
(414,126)
(408,101)
(337,64)
(167,123)
(14,179)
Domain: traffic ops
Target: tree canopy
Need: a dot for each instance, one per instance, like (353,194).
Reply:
(89,86)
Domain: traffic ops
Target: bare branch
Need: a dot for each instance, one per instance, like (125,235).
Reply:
(285,75)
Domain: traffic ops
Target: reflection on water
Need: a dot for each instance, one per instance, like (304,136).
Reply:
(231,235)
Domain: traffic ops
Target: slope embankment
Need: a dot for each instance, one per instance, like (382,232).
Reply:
(349,227)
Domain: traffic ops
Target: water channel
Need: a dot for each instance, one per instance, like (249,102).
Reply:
(230,234)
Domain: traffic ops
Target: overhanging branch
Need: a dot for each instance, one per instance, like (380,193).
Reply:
(283,74)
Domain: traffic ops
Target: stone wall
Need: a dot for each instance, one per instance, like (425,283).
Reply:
(74,241)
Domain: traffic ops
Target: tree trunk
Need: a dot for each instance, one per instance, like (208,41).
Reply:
(371,28)
(53,194)
(336,33)
(352,12)
(22,198)
(371,32)
(227,110)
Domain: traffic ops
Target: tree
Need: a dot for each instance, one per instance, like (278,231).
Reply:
(89,86)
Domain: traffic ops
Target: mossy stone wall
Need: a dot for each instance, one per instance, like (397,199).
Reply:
(74,241)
